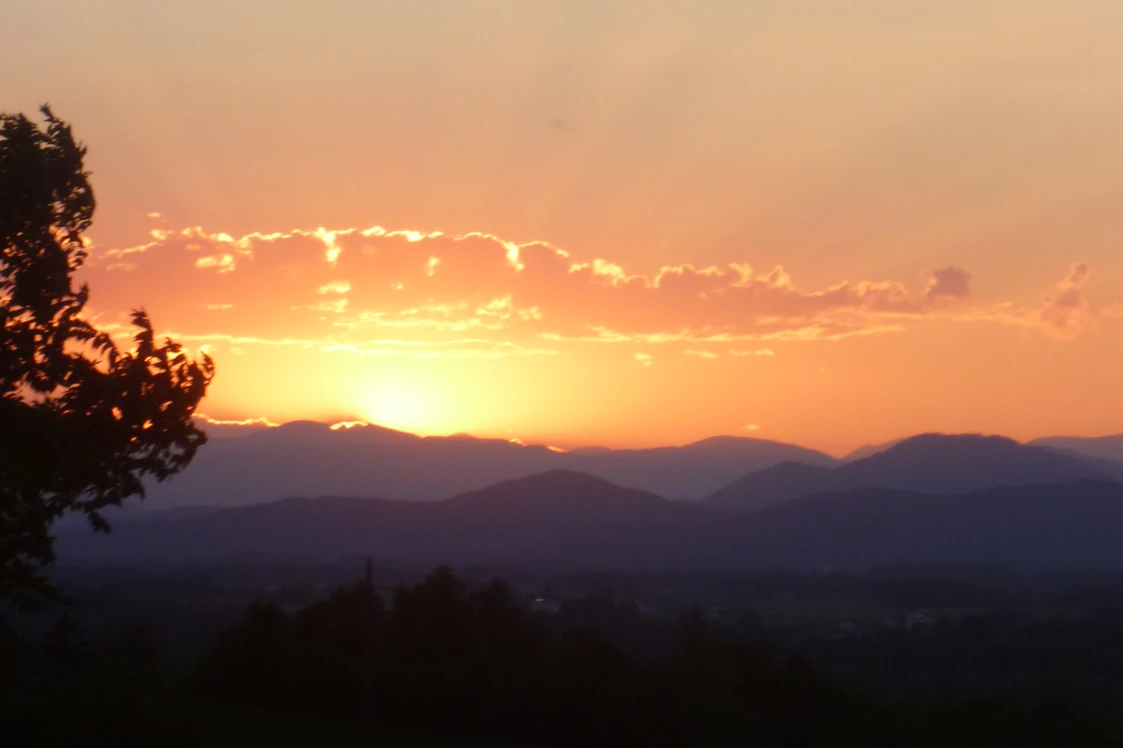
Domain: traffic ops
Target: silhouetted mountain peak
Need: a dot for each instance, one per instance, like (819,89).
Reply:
(551,482)
(926,463)
(746,444)
(724,440)
(973,460)
(935,443)
(302,427)
(932,443)
(567,494)
(590,451)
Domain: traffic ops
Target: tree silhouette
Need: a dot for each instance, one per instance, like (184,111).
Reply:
(82,422)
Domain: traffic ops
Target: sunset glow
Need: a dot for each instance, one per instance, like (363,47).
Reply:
(621,224)
(404,406)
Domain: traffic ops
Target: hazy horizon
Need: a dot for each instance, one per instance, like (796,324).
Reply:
(233,428)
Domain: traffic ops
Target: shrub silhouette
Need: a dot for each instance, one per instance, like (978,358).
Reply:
(82,422)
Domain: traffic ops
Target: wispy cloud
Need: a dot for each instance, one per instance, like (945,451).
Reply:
(1063,314)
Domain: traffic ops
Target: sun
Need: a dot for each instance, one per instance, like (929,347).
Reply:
(401,405)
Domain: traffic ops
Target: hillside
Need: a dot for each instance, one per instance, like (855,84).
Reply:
(1051,526)
(583,520)
(1100,447)
(928,463)
(554,515)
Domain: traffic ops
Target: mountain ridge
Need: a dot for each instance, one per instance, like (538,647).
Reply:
(544,517)
(930,463)
(312,458)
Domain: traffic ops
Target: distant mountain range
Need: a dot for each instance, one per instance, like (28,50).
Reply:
(1041,526)
(574,518)
(869,450)
(310,459)
(929,463)
(1102,447)
(251,465)
(932,498)
(554,515)
(1093,447)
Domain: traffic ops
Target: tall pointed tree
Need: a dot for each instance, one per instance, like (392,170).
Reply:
(82,421)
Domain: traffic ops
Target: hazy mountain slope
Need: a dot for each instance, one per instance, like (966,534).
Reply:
(694,470)
(868,450)
(1049,526)
(1111,468)
(942,463)
(929,463)
(773,485)
(555,515)
(562,516)
(310,459)
(1100,447)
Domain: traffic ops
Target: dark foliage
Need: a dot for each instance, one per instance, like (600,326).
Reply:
(82,422)
(446,657)
(448,661)
(66,688)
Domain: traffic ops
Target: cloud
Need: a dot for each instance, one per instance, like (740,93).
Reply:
(348,425)
(336,306)
(431,269)
(702,354)
(644,359)
(265,422)
(222,263)
(771,329)
(339,288)
(461,348)
(948,283)
(1064,312)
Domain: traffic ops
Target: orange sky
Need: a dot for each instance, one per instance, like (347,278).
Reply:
(622,223)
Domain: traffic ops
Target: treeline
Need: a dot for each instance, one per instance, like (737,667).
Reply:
(66,688)
(446,657)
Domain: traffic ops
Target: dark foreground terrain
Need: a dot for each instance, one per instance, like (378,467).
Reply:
(279,653)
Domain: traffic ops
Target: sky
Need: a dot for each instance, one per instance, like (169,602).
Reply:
(614,223)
